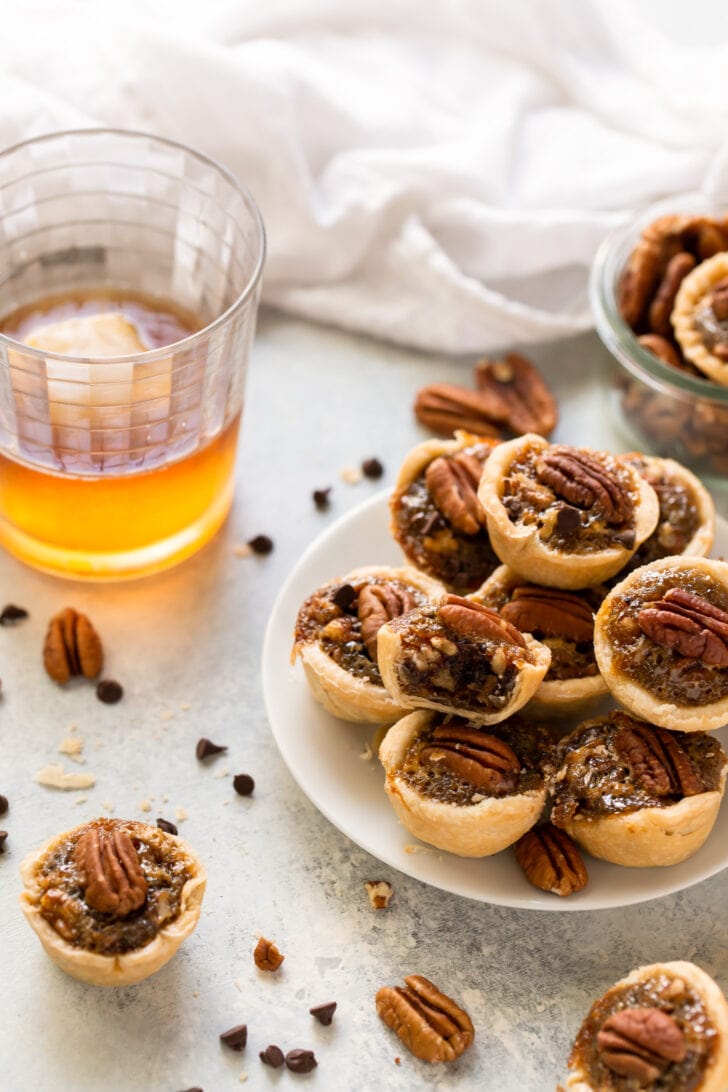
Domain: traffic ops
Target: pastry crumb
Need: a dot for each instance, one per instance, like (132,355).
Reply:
(54,776)
(352,475)
(80,799)
(181,814)
(72,746)
(408,848)
(223,772)
(243,1078)
(367,754)
(167,714)
(108,805)
(145,806)
(380,893)
(242,550)
(184,706)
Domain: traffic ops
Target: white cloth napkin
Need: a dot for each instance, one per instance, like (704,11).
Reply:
(437,173)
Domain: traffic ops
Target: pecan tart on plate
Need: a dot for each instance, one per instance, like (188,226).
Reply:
(700,317)
(336,638)
(564,516)
(661,642)
(462,658)
(663,1028)
(635,794)
(112,900)
(463,788)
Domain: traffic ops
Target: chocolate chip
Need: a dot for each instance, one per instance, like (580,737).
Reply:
(324,1013)
(568,519)
(272,1055)
(205,748)
(321,498)
(236,1037)
(109,691)
(372,468)
(625,538)
(344,596)
(243,784)
(261,544)
(3,804)
(301,1061)
(11,614)
(166,826)
(3,836)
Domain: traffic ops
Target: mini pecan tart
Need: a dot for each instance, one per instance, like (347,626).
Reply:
(564,516)
(112,900)
(700,317)
(336,638)
(663,1028)
(561,620)
(469,790)
(636,794)
(461,658)
(661,642)
(436,517)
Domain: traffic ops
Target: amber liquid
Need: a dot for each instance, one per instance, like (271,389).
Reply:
(127,521)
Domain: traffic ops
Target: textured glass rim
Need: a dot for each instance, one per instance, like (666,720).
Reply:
(149,355)
(611,327)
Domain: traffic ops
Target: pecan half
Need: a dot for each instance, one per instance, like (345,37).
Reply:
(641,276)
(428,1022)
(527,403)
(110,872)
(474,756)
(689,625)
(378,604)
(551,860)
(656,760)
(470,619)
(664,300)
(266,955)
(445,407)
(549,611)
(641,1043)
(582,480)
(452,481)
(72,647)
(663,349)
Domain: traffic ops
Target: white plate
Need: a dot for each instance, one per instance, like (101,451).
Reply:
(325,754)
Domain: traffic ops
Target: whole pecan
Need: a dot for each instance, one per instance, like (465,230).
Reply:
(664,299)
(378,603)
(689,625)
(470,619)
(656,760)
(641,276)
(110,871)
(428,1022)
(551,860)
(582,481)
(266,955)
(641,1043)
(527,403)
(549,611)
(72,647)
(452,481)
(474,756)
(445,407)
(719,300)
(663,349)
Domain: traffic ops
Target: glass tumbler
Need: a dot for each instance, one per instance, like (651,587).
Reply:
(118,466)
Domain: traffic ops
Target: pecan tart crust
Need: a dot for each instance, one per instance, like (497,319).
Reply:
(663,1028)
(469,790)
(113,899)
(700,317)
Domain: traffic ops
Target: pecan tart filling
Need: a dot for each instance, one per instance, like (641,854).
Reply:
(462,658)
(436,517)
(700,317)
(662,1028)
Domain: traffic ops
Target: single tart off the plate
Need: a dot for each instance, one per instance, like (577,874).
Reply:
(564,516)
(561,620)
(435,514)
(463,788)
(112,900)
(663,1028)
(700,317)
(336,638)
(461,658)
(661,641)
(635,794)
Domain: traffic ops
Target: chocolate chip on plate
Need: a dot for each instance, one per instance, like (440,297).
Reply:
(301,1061)
(321,498)
(243,784)
(344,596)
(3,804)
(166,826)
(324,1013)
(11,614)
(372,468)
(236,1037)
(273,1056)
(109,691)
(3,836)
(205,748)
(261,544)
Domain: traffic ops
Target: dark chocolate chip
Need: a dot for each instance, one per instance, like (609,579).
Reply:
(625,538)
(324,1013)
(372,468)
(301,1061)
(344,596)
(3,804)
(11,614)
(109,691)
(236,1037)
(205,748)
(166,826)
(272,1055)
(243,784)
(261,544)
(321,498)
(3,836)
(568,519)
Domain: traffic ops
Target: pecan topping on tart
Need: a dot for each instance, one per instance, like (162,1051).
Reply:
(453,484)
(109,871)
(641,1043)
(428,1022)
